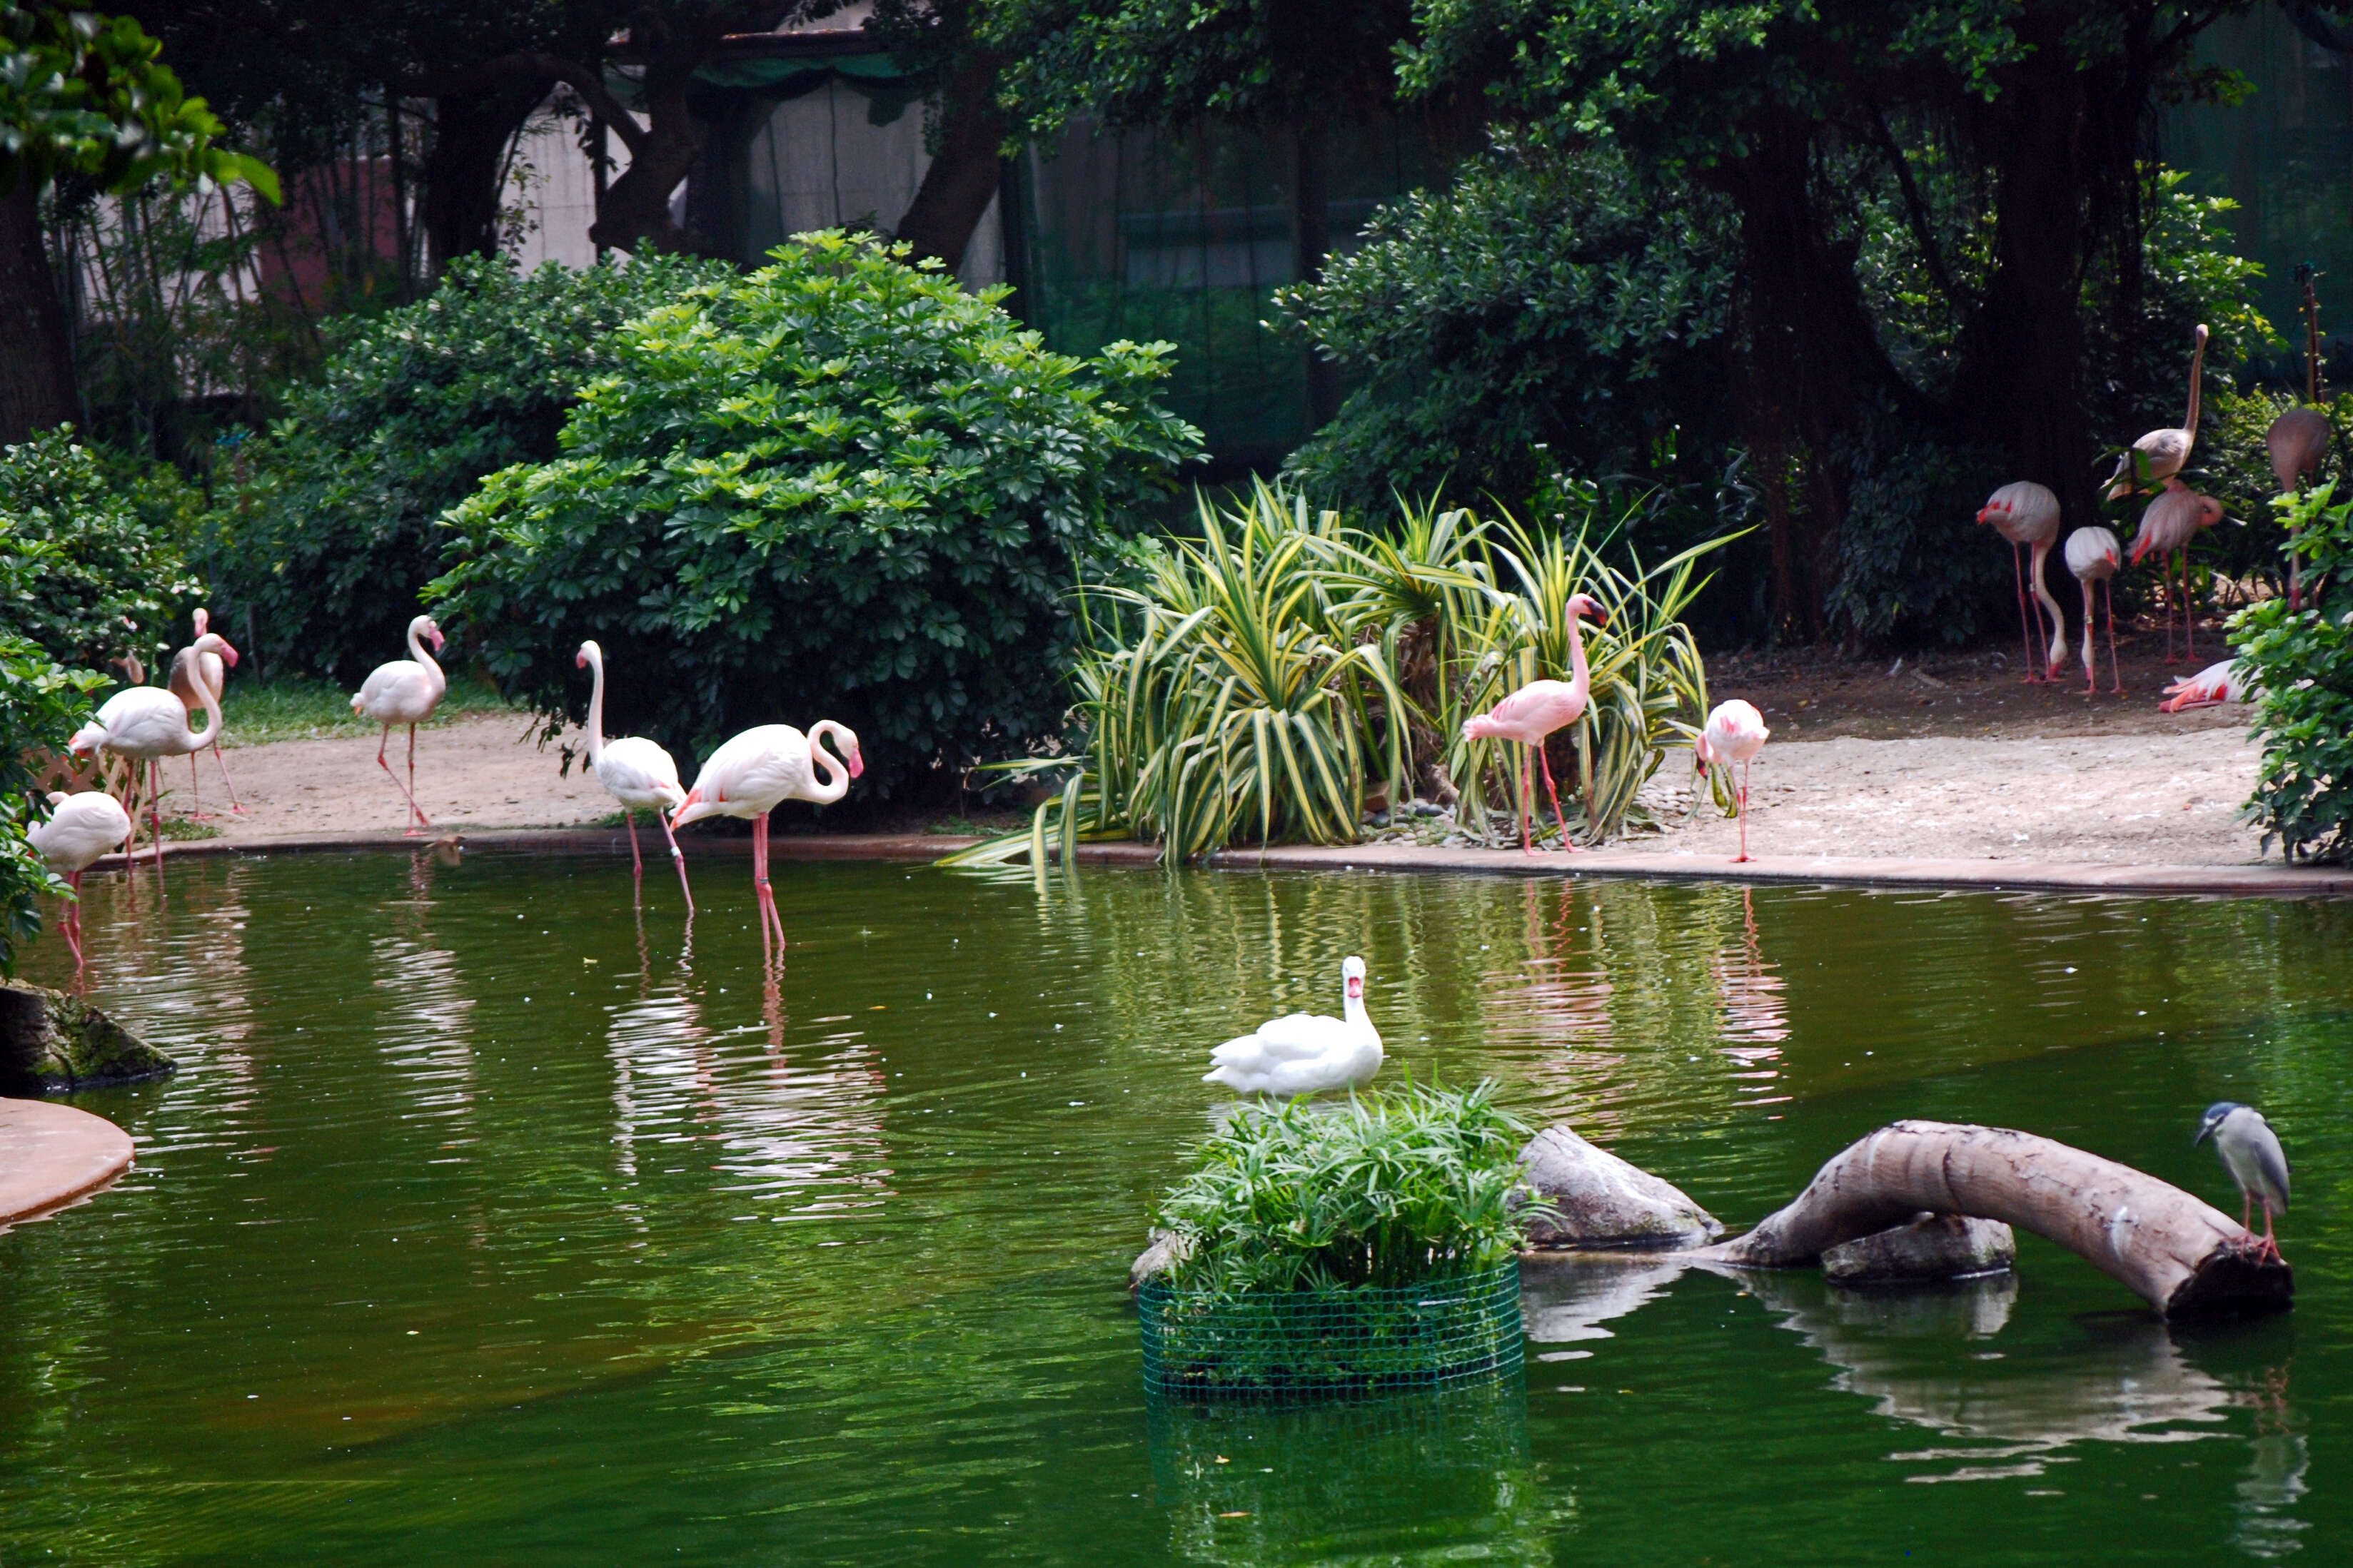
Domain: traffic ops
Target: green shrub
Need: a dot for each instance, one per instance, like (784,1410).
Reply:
(41,704)
(2302,666)
(325,531)
(838,487)
(83,573)
(1392,1188)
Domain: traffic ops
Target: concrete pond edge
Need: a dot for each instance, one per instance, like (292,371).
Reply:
(53,1156)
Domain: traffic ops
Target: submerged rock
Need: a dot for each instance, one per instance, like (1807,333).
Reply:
(50,1044)
(1927,1246)
(1604,1201)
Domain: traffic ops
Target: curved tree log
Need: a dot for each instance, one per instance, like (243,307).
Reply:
(2186,1257)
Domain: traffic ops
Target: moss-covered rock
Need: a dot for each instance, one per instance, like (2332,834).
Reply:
(51,1043)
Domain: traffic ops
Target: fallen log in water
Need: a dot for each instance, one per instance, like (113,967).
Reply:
(2186,1257)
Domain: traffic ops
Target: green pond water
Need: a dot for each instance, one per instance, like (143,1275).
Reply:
(486,1224)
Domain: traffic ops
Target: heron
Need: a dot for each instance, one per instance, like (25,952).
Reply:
(2251,1151)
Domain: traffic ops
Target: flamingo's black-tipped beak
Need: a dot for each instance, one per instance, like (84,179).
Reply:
(856,763)
(579,661)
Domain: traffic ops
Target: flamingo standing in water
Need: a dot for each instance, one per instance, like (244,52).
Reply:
(2094,555)
(146,723)
(758,771)
(404,691)
(635,771)
(2169,525)
(2027,514)
(189,667)
(81,828)
(2160,454)
(1734,732)
(1532,713)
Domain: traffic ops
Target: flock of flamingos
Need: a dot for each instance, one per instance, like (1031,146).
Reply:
(756,772)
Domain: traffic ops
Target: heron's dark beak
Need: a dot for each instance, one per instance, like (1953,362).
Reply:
(2203,1128)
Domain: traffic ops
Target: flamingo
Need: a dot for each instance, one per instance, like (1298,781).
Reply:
(2026,513)
(404,691)
(2209,688)
(188,667)
(146,723)
(81,828)
(634,771)
(2170,523)
(1304,1053)
(2298,440)
(2093,555)
(1532,712)
(758,771)
(1734,732)
(2160,454)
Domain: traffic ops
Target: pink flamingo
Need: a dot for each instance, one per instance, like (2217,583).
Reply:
(635,771)
(2298,440)
(2094,555)
(2160,454)
(2027,514)
(81,828)
(1734,732)
(2168,526)
(758,771)
(404,691)
(189,667)
(146,723)
(1532,713)
(2209,688)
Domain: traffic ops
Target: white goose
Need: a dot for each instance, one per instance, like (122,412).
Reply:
(1304,1053)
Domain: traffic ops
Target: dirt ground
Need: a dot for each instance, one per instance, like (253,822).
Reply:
(1945,757)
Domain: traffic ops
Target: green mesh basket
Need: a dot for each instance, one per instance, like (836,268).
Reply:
(1312,1345)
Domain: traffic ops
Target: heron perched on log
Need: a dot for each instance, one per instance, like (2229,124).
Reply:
(2251,1151)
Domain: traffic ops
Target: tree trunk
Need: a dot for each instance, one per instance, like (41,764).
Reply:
(2184,1256)
(470,136)
(965,178)
(635,213)
(37,371)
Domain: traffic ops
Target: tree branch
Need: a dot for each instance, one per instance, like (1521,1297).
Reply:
(1916,209)
(536,65)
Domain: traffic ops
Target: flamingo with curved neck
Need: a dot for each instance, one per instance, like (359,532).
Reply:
(635,771)
(756,771)
(404,691)
(1532,713)
(2159,454)
(147,723)
(190,668)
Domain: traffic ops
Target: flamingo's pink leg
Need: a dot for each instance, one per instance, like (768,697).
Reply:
(678,858)
(2116,672)
(156,810)
(1528,782)
(2091,670)
(2025,638)
(637,866)
(1743,816)
(422,819)
(71,923)
(1566,842)
(236,806)
(408,791)
(196,795)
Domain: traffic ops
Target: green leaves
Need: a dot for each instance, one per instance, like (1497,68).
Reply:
(81,574)
(2301,664)
(41,705)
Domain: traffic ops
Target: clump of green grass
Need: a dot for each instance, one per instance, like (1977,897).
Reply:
(179,829)
(300,709)
(1390,1189)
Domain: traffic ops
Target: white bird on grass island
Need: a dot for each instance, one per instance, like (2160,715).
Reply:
(146,723)
(2251,1151)
(760,770)
(1304,1053)
(81,828)
(635,771)
(404,691)
(1734,734)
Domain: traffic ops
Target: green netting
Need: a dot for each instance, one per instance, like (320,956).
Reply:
(1315,1344)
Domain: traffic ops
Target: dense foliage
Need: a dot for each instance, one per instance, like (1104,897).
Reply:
(326,531)
(1392,1188)
(41,703)
(837,487)
(2300,663)
(83,573)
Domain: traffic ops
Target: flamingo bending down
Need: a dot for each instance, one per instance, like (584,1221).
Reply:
(2027,514)
(1532,713)
(189,667)
(758,771)
(81,828)
(2209,688)
(2160,454)
(1734,732)
(145,723)
(634,771)
(2298,440)
(2094,555)
(404,691)
(2168,526)
(1304,1053)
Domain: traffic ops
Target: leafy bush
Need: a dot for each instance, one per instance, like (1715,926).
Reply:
(41,703)
(2302,666)
(82,573)
(325,530)
(839,486)
(1394,1188)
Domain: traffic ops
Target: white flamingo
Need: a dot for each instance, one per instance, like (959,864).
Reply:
(404,691)
(1735,733)
(635,771)
(81,828)
(2093,555)
(756,771)
(146,723)
(1304,1053)
(2159,454)
(189,667)
(2027,515)
(2209,688)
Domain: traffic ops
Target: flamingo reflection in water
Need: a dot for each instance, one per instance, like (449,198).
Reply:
(1754,1010)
